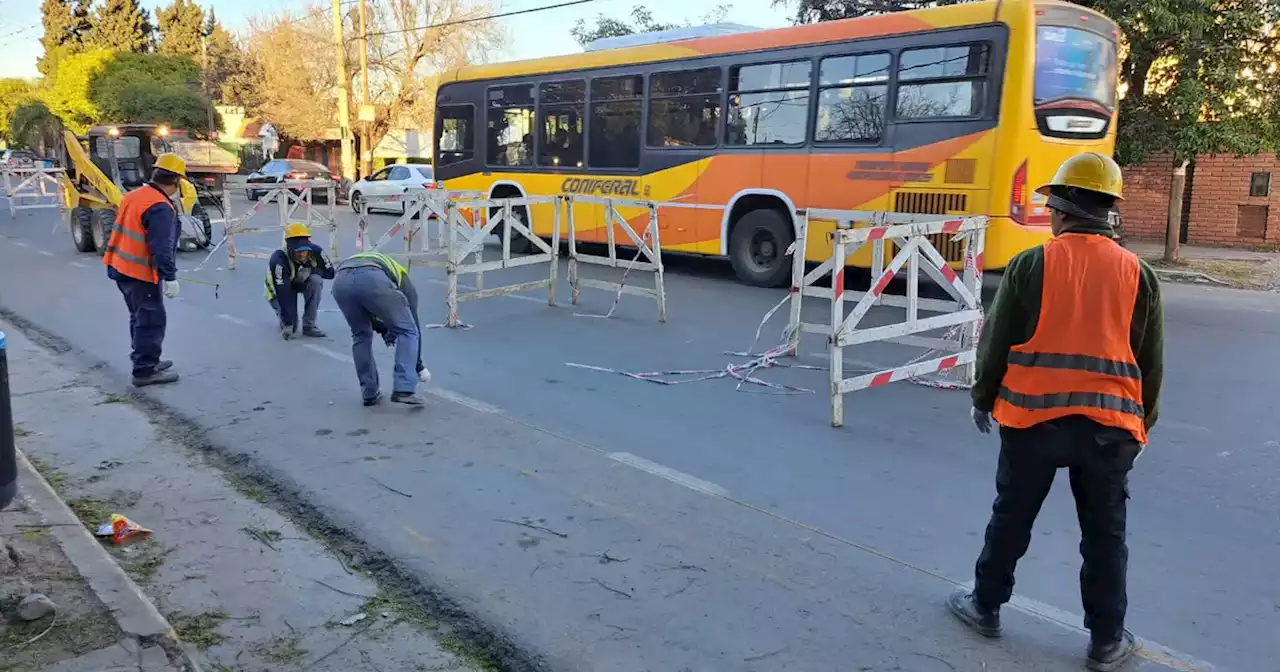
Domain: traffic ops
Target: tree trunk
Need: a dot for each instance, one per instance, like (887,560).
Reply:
(1173,225)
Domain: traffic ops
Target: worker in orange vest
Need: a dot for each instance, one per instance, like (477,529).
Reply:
(1070,363)
(140,257)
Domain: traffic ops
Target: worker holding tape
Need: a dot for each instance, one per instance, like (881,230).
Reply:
(299,269)
(375,294)
(1070,362)
(141,257)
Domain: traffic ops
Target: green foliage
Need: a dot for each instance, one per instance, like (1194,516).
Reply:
(68,93)
(641,22)
(13,93)
(66,23)
(178,108)
(120,25)
(33,126)
(181,27)
(815,11)
(151,88)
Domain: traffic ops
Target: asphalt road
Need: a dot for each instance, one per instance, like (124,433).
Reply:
(604,523)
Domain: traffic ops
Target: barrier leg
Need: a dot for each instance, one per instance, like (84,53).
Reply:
(973,248)
(574,289)
(658,283)
(555,254)
(834,351)
(451,271)
(798,256)
(331,195)
(282,207)
(229,225)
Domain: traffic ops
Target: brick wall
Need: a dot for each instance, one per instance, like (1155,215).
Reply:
(1146,197)
(1222,210)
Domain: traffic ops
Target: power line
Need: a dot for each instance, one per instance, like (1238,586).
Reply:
(20,31)
(490,17)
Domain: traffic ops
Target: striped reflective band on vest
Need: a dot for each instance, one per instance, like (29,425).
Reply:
(1041,402)
(391,266)
(127,250)
(113,248)
(1051,360)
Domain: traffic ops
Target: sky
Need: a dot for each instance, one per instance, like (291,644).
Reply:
(531,35)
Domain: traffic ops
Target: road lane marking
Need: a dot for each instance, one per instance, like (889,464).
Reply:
(77,264)
(463,399)
(678,477)
(336,356)
(235,320)
(19,243)
(46,253)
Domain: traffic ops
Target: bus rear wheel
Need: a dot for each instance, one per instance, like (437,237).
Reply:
(758,248)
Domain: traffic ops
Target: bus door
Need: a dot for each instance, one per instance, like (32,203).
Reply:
(680,146)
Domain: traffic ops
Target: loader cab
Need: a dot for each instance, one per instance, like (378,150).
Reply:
(135,147)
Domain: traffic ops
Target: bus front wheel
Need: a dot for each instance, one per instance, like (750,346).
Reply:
(758,248)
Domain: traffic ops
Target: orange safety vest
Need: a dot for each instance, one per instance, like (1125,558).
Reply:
(1079,361)
(128,251)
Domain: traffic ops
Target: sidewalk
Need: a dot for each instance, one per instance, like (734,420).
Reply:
(1149,249)
(223,583)
(1242,269)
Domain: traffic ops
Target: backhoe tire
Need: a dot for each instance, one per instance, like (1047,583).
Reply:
(203,215)
(82,229)
(104,219)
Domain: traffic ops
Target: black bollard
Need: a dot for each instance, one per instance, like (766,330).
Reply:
(8,458)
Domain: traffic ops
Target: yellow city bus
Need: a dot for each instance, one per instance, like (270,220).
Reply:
(962,109)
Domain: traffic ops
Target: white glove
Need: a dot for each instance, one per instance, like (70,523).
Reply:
(424,376)
(982,420)
(170,289)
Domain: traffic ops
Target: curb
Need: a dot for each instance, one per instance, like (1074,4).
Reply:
(133,611)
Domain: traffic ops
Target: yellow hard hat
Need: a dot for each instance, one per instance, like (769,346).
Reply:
(1091,171)
(297,230)
(172,163)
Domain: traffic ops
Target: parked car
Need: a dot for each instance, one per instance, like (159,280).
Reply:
(397,179)
(280,170)
(19,158)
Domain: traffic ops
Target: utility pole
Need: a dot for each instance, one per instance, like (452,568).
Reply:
(208,99)
(344,90)
(366,158)
(1173,225)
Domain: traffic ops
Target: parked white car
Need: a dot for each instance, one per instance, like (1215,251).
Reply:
(392,180)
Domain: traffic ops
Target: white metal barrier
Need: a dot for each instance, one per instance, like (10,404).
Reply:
(915,252)
(32,189)
(290,197)
(648,257)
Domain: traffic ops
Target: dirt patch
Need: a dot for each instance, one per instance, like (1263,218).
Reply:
(32,561)
(1256,274)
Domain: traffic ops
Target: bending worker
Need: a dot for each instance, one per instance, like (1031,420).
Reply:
(300,268)
(140,257)
(375,293)
(1070,362)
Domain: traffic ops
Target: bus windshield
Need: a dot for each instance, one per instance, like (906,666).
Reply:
(1074,64)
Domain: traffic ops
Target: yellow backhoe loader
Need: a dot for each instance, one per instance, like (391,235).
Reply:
(109,161)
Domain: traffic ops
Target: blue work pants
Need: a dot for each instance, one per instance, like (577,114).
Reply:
(147,322)
(366,291)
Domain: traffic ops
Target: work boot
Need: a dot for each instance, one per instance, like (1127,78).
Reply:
(156,377)
(373,401)
(313,331)
(1109,654)
(983,620)
(164,365)
(407,398)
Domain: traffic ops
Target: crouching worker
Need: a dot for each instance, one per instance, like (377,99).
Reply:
(300,268)
(374,289)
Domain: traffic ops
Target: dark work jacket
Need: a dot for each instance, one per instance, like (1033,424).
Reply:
(281,272)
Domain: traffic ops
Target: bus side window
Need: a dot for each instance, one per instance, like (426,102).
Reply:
(943,82)
(851,98)
(684,108)
(768,104)
(455,137)
(615,122)
(560,110)
(509,126)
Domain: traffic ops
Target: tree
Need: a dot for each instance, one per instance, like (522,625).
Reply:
(121,25)
(291,76)
(13,93)
(67,96)
(66,23)
(181,28)
(815,11)
(641,22)
(151,88)
(226,63)
(33,126)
